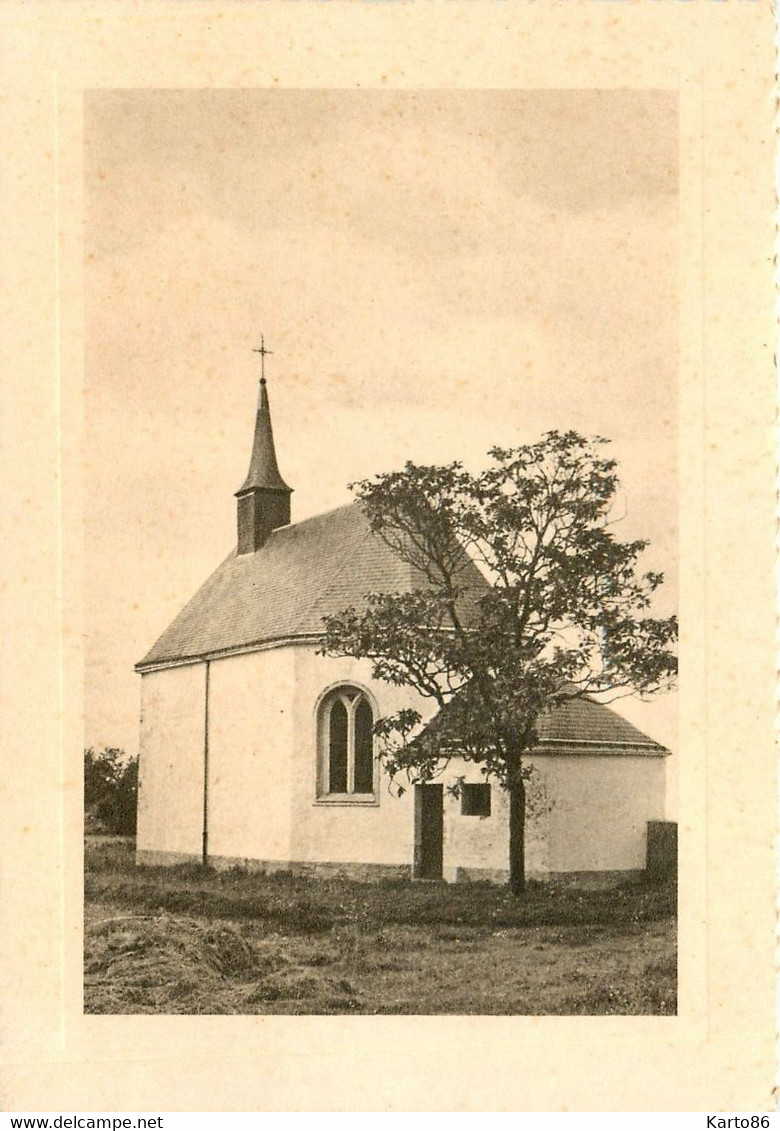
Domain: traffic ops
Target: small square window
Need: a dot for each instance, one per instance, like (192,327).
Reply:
(475,800)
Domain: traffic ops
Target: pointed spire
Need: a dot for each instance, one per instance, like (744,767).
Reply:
(263,469)
(264,497)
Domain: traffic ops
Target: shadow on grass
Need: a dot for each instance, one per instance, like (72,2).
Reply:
(309,905)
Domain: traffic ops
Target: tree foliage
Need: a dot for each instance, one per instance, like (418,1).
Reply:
(110,791)
(564,611)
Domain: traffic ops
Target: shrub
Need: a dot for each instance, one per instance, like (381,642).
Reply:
(110,791)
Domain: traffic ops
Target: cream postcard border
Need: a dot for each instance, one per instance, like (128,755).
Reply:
(718,1053)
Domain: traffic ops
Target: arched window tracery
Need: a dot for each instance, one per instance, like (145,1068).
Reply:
(346,763)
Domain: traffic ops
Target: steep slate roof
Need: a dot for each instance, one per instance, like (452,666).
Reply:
(325,564)
(282,591)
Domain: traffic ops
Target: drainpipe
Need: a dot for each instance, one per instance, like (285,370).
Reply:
(205,850)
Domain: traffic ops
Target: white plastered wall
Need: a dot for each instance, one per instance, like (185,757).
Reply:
(598,809)
(585,813)
(250,763)
(365,834)
(473,843)
(170,805)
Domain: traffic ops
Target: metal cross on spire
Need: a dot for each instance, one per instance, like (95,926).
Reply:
(263,353)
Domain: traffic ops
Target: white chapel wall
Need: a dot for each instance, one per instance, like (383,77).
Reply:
(599,809)
(385,834)
(478,847)
(381,834)
(250,763)
(474,845)
(585,813)
(170,806)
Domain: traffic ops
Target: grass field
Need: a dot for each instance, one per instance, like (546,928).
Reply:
(193,941)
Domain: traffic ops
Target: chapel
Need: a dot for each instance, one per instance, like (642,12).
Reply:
(256,750)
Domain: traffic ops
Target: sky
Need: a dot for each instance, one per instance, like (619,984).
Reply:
(436,272)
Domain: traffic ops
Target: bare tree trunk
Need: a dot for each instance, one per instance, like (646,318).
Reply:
(517,834)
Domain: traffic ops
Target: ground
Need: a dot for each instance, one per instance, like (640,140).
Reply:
(190,940)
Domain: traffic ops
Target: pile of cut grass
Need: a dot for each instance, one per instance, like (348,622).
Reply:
(166,964)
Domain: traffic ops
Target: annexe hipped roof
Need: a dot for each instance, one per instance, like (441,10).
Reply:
(301,574)
(580,725)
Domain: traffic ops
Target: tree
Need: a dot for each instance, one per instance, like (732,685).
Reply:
(110,790)
(563,613)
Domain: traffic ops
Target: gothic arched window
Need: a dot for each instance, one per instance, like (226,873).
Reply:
(345,732)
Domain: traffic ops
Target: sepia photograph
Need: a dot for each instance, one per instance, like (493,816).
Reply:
(381,543)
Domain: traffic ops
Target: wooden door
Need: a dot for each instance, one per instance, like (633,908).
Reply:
(428,832)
